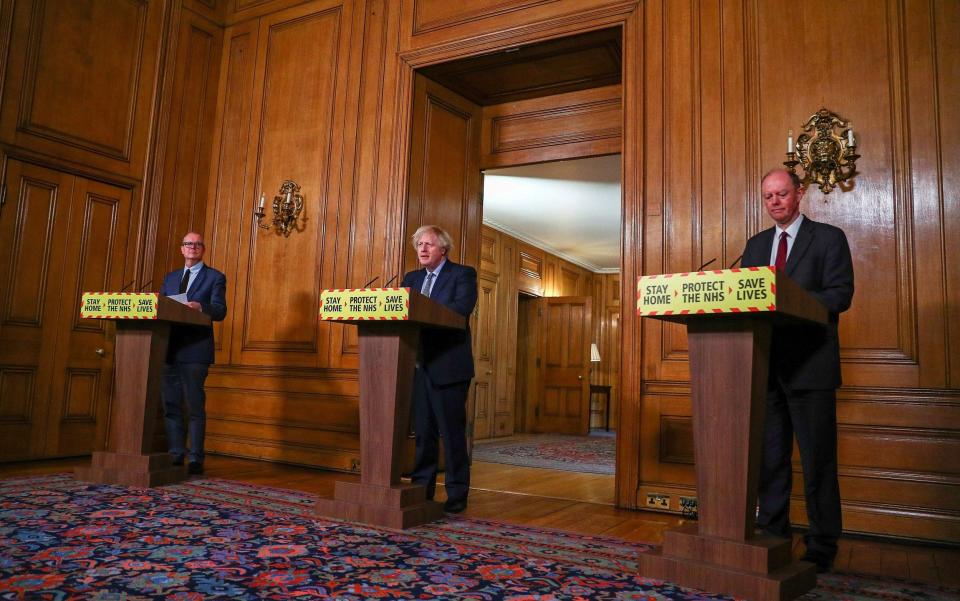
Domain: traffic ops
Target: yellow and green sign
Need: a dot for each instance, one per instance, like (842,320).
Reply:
(742,290)
(355,304)
(118,305)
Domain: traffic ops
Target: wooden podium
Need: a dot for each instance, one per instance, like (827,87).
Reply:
(143,330)
(729,346)
(389,321)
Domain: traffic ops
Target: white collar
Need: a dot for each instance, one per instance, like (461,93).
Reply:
(793,228)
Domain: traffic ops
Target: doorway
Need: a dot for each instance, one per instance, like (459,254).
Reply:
(551,245)
(549,105)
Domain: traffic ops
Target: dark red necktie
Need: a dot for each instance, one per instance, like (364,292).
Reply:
(781,262)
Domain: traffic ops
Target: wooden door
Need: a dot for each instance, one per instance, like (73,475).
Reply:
(59,235)
(562,403)
(484,357)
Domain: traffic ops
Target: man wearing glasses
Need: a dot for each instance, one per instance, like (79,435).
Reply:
(190,350)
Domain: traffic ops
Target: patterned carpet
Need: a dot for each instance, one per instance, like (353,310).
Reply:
(218,539)
(594,454)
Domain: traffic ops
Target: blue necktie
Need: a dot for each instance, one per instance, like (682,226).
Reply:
(427,284)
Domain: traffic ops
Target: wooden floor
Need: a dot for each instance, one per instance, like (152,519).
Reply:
(568,501)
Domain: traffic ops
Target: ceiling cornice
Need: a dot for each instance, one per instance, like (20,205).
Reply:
(588,265)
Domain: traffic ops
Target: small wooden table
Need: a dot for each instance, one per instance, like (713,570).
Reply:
(605,391)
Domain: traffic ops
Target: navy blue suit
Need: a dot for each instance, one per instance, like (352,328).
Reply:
(442,382)
(189,355)
(801,396)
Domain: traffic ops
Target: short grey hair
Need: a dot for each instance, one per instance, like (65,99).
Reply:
(446,242)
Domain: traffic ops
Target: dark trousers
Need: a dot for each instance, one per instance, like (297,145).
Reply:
(441,411)
(811,415)
(184,382)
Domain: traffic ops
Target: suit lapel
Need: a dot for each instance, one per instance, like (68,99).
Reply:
(804,238)
(766,242)
(418,278)
(441,280)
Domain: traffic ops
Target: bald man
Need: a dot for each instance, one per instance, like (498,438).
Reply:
(190,351)
(804,369)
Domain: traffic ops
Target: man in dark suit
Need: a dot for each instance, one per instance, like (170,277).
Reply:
(190,350)
(804,369)
(444,370)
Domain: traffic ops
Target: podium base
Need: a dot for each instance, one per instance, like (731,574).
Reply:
(141,471)
(398,507)
(759,569)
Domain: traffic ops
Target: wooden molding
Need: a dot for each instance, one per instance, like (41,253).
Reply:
(50,67)
(566,126)
(17,386)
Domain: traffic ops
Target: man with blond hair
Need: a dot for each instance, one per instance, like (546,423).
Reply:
(444,369)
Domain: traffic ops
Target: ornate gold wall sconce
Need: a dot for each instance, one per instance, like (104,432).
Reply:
(286,208)
(828,157)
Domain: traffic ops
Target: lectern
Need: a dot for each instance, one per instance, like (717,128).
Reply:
(143,330)
(729,315)
(389,321)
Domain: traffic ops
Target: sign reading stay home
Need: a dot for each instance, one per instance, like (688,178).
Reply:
(353,304)
(118,305)
(742,290)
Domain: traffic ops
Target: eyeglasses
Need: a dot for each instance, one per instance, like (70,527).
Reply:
(192,244)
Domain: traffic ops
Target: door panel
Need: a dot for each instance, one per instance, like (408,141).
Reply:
(296,107)
(445,169)
(563,401)
(485,353)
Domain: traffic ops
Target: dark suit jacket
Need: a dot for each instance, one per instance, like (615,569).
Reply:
(447,357)
(194,344)
(807,357)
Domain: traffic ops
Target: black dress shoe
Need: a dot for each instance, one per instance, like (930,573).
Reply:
(177,460)
(455,505)
(823,564)
(194,468)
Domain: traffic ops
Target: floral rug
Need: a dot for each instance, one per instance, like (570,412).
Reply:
(217,539)
(594,454)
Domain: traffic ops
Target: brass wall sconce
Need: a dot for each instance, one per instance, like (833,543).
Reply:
(286,208)
(828,158)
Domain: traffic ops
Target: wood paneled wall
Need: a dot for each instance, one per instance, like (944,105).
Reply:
(509,267)
(552,128)
(322,91)
(719,94)
(106,126)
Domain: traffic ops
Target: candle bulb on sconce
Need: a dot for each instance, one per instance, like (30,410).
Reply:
(789,141)
(263,200)
(850,140)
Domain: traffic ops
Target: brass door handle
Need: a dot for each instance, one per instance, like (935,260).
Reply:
(100,352)
(489,372)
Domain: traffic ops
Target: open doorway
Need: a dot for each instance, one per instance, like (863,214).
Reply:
(548,112)
(557,227)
